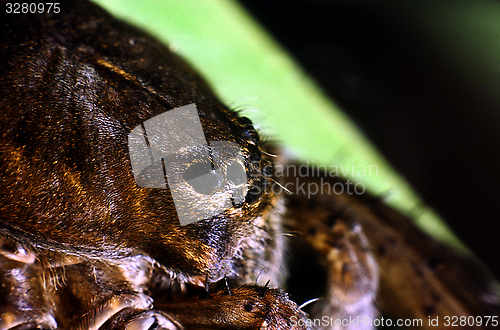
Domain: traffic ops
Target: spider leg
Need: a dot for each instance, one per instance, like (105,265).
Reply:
(419,279)
(70,294)
(22,302)
(352,272)
(245,307)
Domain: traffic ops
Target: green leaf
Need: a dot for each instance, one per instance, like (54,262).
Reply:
(248,70)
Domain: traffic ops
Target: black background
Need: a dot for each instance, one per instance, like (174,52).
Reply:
(426,118)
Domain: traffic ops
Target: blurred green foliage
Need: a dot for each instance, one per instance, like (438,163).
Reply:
(249,71)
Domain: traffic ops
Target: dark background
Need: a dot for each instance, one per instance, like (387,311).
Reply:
(436,121)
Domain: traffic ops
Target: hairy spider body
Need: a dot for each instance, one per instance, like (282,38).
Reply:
(84,246)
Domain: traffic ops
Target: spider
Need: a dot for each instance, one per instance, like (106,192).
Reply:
(88,242)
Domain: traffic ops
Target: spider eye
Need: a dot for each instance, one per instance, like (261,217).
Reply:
(201,176)
(235,173)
